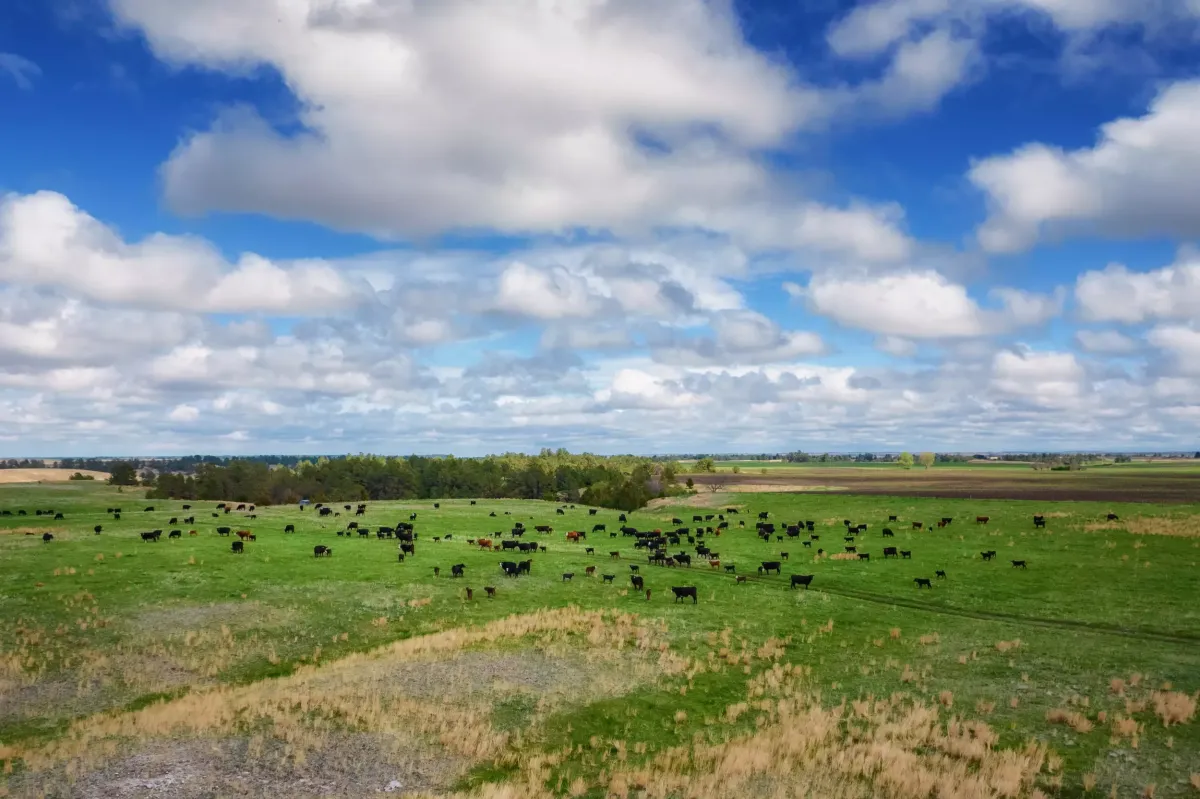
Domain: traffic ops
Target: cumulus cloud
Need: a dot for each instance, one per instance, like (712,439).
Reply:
(1117,294)
(46,241)
(1181,344)
(1138,180)
(921,304)
(740,338)
(1110,342)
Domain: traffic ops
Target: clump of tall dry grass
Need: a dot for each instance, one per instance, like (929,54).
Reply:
(1174,526)
(1076,721)
(1005,646)
(1173,707)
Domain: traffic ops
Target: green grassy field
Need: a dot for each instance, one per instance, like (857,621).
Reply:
(125,665)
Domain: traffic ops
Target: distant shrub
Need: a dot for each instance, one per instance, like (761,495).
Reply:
(81,476)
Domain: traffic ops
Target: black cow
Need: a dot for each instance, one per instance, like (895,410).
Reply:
(97,529)
(768,566)
(544,528)
(892,518)
(1018,564)
(591,511)
(608,578)
(682,592)
(58,516)
(151,536)
(175,534)
(149,509)
(458,570)
(917,525)
(906,553)
(559,511)
(940,574)
(1112,517)
(239,547)
(598,528)
(320,550)
(802,579)
(622,518)
(637,581)
(567,576)
(326,511)
(864,555)
(173,520)
(763,515)
(47,537)
(890,552)
(408,549)
(923,582)
(988,555)
(888,533)
(1039,521)
(291,528)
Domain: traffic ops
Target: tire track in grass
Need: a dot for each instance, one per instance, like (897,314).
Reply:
(983,615)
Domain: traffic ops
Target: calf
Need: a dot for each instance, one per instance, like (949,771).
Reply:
(97,529)
(591,511)
(682,592)
(940,574)
(239,547)
(458,570)
(173,520)
(559,511)
(888,533)
(741,578)
(917,525)
(988,555)
(633,569)
(922,582)
(636,580)
(893,518)
(470,593)
(1039,521)
(614,555)
(193,532)
(544,528)
(58,516)
(981,519)
(320,550)
(1112,517)
(608,578)
(491,590)
(1018,564)
(801,579)
(567,576)
(590,571)
(291,528)
(730,568)
(48,537)
(851,549)
(890,552)
(906,554)
(589,551)
(783,555)
(768,566)
(864,555)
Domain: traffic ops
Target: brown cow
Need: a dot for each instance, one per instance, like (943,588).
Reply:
(590,571)
(716,564)
(192,532)
(573,536)
(243,534)
(484,543)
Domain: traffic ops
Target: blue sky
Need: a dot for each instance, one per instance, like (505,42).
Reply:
(687,225)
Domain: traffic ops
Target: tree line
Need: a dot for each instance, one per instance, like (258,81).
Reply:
(623,482)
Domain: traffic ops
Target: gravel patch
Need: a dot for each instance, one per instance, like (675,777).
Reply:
(344,766)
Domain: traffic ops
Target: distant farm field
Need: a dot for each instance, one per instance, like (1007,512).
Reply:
(1157,482)
(177,668)
(45,475)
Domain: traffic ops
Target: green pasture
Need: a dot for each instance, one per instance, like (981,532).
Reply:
(1096,603)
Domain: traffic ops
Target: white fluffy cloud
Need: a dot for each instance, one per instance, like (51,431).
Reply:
(1181,343)
(1116,294)
(46,241)
(1138,180)
(921,304)
(1110,342)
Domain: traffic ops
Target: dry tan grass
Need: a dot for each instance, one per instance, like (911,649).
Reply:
(1173,707)
(894,747)
(381,692)
(1076,721)
(45,475)
(1175,526)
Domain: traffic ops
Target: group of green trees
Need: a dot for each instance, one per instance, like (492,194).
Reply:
(623,482)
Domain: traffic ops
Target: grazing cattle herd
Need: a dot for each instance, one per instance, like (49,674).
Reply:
(662,548)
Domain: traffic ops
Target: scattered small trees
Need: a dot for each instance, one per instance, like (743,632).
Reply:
(926,459)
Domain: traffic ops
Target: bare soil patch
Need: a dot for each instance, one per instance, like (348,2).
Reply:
(45,475)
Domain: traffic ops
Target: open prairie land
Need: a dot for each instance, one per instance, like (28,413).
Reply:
(177,668)
(1155,482)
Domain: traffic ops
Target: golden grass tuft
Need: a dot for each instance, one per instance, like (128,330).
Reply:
(1005,646)
(1089,782)
(984,706)
(1117,686)
(929,640)
(1173,707)
(894,633)
(843,556)
(1076,721)
(1196,781)
(946,698)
